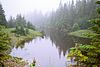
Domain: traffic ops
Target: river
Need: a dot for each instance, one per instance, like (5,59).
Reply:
(43,50)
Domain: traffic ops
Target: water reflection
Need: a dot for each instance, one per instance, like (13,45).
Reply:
(43,50)
(49,50)
(64,41)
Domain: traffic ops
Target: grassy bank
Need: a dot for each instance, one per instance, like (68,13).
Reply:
(83,33)
(9,61)
(21,39)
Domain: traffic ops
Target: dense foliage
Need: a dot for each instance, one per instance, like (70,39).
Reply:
(4,42)
(91,51)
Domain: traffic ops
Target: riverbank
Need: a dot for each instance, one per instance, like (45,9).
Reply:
(9,61)
(83,33)
(17,40)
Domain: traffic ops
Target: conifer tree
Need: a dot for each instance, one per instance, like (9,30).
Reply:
(2,17)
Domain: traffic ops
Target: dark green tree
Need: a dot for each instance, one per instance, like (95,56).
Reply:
(27,31)
(2,17)
(21,25)
(11,22)
(20,21)
(20,30)
(30,26)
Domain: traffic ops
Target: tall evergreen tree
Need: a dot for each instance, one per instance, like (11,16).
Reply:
(30,26)
(2,17)
(20,21)
(11,22)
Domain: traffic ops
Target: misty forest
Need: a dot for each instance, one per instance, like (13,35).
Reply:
(68,36)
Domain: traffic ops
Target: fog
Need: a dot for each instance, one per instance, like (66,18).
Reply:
(55,27)
(14,7)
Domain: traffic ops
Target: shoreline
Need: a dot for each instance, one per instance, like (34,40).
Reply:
(10,61)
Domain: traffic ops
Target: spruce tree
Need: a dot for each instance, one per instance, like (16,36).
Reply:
(2,17)
(11,22)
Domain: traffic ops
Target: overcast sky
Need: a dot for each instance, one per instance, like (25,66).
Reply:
(14,7)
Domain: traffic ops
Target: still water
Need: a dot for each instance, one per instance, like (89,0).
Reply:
(43,50)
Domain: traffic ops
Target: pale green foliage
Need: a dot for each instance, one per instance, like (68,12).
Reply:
(76,52)
(4,41)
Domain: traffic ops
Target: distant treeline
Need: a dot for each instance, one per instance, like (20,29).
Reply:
(73,16)
(68,17)
(20,21)
(20,24)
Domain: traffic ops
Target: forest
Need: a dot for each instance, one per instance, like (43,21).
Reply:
(74,27)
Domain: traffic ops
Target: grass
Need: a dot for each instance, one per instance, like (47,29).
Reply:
(16,40)
(83,33)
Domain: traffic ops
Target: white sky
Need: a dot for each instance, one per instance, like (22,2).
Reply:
(14,7)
